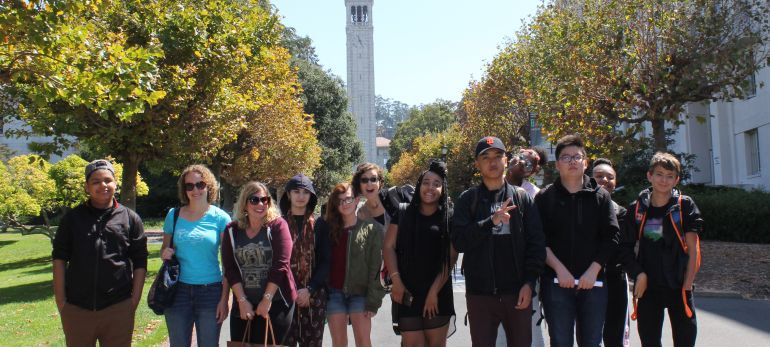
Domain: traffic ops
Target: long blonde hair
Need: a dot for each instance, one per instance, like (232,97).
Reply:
(239,210)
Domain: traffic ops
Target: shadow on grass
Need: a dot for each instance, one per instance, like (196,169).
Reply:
(27,292)
(42,270)
(25,263)
(7,242)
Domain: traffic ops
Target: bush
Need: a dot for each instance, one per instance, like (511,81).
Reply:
(732,214)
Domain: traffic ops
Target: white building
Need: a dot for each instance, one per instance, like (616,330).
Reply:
(732,146)
(383,145)
(360,53)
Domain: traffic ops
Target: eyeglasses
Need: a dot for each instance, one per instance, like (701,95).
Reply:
(366,180)
(347,201)
(567,159)
(255,200)
(190,186)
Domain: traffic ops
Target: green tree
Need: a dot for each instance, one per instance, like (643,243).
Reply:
(15,202)
(431,118)
(166,82)
(389,113)
(590,66)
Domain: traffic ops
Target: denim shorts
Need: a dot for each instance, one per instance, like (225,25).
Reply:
(340,302)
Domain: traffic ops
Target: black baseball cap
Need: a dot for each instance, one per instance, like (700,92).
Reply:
(489,142)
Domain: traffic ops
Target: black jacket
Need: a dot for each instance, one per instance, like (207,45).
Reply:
(101,249)
(472,234)
(579,228)
(674,259)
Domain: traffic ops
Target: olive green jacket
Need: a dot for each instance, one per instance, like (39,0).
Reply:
(364,258)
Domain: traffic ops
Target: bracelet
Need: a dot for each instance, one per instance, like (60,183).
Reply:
(242,298)
(395,274)
(268,296)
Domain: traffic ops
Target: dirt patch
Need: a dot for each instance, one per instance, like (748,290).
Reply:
(734,268)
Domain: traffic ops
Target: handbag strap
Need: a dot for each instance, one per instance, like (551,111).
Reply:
(246,333)
(173,226)
(269,326)
(232,243)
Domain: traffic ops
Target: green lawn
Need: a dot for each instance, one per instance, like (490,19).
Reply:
(28,315)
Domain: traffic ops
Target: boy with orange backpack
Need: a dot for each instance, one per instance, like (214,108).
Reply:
(666,224)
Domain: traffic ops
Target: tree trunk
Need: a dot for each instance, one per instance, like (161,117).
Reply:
(128,184)
(659,134)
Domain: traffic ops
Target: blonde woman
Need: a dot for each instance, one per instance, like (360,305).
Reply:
(201,298)
(256,251)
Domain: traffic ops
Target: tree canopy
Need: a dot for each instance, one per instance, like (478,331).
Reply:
(168,82)
(431,118)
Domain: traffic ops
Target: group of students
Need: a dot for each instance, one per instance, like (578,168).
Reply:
(567,246)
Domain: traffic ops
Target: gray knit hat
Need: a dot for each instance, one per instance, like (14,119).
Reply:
(99,164)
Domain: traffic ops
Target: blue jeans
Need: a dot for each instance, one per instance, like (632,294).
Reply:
(567,308)
(194,304)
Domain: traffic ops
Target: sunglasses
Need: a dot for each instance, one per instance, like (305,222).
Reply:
(366,180)
(255,200)
(190,186)
(347,201)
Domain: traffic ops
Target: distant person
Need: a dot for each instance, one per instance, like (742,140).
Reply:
(99,264)
(616,323)
(497,227)
(581,230)
(525,164)
(355,293)
(310,258)
(666,224)
(420,255)
(256,252)
(201,295)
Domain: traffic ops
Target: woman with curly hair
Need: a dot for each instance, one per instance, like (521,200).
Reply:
(367,182)
(196,230)
(255,252)
(355,292)
(419,253)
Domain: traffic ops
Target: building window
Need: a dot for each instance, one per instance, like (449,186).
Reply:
(750,86)
(753,166)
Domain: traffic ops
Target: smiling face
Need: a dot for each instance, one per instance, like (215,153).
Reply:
(370,184)
(605,177)
(662,180)
(347,203)
(491,163)
(100,188)
(430,188)
(199,191)
(257,205)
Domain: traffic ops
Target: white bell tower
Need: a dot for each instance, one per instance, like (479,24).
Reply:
(360,46)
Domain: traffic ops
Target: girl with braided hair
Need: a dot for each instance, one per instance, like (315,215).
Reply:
(419,254)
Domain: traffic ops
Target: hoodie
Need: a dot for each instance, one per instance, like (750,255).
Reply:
(319,271)
(580,228)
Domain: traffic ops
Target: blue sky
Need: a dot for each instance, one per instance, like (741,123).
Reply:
(423,49)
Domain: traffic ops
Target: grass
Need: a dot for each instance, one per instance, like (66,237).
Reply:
(152,223)
(28,315)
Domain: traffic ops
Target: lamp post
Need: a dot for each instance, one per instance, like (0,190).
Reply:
(444,151)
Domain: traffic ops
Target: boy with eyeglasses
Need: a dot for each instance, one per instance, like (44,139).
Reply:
(581,230)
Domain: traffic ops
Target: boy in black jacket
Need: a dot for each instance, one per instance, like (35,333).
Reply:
(99,265)
(497,226)
(666,224)
(581,230)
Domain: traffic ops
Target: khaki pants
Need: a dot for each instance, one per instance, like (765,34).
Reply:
(112,326)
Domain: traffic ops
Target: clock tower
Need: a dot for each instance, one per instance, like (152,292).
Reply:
(360,50)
